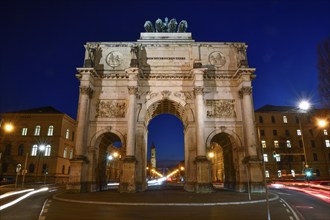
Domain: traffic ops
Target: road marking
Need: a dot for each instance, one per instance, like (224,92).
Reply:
(291,209)
(304,207)
(162,204)
(41,216)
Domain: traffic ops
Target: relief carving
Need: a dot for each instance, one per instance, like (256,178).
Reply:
(151,95)
(246,90)
(221,108)
(110,109)
(114,59)
(166,93)
(216,58)
(84,90)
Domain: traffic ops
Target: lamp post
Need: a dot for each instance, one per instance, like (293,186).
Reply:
(41,149)
(303,106)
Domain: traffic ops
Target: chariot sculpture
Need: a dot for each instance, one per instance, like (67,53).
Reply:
(166,26)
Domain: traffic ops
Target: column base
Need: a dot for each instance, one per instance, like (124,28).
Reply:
(256,176)
(128,177)
(77,179)
(204,181)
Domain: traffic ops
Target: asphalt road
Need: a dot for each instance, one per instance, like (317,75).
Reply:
(310,207)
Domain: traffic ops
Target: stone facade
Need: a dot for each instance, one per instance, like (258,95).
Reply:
(207,85)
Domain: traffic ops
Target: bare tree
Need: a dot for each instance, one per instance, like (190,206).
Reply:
(323,65)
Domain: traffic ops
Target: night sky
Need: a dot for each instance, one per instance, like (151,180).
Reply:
(42,44)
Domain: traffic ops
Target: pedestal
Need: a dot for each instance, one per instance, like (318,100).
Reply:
(77,178)
(128,176)
(255,175)
(203,183)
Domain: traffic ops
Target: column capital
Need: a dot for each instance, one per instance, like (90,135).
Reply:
(245,90)
(86,90)
(132,90)
(198,90)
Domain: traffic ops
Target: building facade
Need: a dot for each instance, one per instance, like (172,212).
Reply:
(41,143)
(292,140)
(207,85)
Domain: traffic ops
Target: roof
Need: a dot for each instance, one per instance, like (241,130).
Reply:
(40,110)
(274,108)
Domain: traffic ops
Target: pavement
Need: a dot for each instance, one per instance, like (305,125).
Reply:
(164,196)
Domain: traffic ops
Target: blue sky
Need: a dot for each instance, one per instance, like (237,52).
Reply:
(42,44)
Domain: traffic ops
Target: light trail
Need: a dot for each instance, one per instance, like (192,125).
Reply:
(22,197)
(15,193)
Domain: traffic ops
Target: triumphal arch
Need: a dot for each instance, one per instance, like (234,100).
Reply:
(207,85)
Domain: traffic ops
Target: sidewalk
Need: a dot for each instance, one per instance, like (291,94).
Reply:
(173,196)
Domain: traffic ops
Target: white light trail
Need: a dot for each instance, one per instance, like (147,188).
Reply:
(22,197)
(15,193)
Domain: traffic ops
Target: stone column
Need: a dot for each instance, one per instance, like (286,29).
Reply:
(203,176)
(248,120)
(128,173)
(78,179)
(85,94)
(253,163)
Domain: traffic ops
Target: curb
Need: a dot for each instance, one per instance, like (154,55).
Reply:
(55,197)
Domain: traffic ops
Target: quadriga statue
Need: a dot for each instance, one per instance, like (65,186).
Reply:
(182,27)
(172,25)
(149,27)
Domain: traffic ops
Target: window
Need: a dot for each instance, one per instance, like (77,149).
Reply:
(276,145)
(31,168)
(297,120)
(71,153)
(315,157)
(302,158)
(279,173)
(7,149)
(44,168)
(273,119)
(24,131)
(275,132)
(65,152)
(5,167)
(311,132)
(266,157)
(72,136)
(34,150)
(37,130)
(67,134)
(277,157)
(20,150)
(63,169)
(327,143)
(261,120)
(299,132)
(328,156)
(300,144)
(288,143)
(293,173)
(312,143)
(325,132)
(285,119)
(287,133)
(69,170)
(267,173)
(47,150)
(263,144)
(262,132)
(50,130)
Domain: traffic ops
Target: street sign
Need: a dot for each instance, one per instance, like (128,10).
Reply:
(18,168)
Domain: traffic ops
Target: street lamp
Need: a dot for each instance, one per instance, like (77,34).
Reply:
(304,107)
(41,150)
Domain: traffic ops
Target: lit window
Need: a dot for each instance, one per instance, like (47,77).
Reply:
(263,144)
(277,157)
(50,130)
(276,145)
(285,119)
(288,143)
(67,134)
(34,150)
(71,153)
(327,143)
(47,150)
(24,131)
(299,132)
(65,152)
(325,132)
(279,173)
(293,173)
(266,157)
(267,173)
(37,130)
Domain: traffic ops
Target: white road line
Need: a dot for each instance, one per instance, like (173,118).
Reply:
(291,209)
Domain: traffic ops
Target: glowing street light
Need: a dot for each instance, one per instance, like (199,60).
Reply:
(110,157)
(304,105)
(8,127)
(115,154)
(42,148)
(322,123)
(211,154)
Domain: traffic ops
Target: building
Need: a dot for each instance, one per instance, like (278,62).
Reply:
(41,142)
(292,140)
(153,156)
(207,85)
